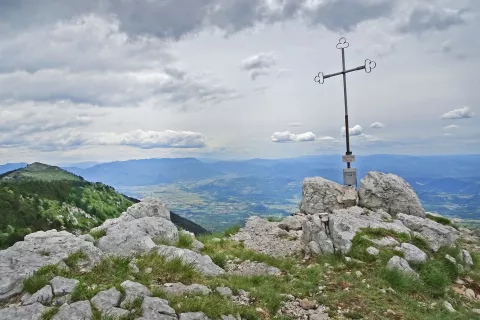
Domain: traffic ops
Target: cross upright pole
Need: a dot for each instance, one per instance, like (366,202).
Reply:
(349,174)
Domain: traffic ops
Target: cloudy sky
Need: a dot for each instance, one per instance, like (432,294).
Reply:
(102,80)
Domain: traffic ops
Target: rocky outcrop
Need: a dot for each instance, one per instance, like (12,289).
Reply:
(267,238)
(389,192)
(401,265)
(252,268)
(412,253)
(335,232)
(30,312)
(37,250)
(322,195)
(436,234)
(201,263)
(130,237)
(80,310)
(179,288)
(134,231)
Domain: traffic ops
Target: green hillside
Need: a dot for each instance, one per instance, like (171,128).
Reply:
(42,197)
(39,171)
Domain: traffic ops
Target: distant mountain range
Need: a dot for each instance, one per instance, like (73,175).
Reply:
(447,184)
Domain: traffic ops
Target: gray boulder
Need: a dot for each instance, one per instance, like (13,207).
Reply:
(292,223)
(157,309)
(467,258)
(37,250)
(436,234)
(181,289)
(412,253)
(400,264)
(133,290)
(201,263)
(373,251)
(252,268)
(148,207)
(30,312)
(193,316)
(104,301)
(345,223)
(389,192)
(316,235)
(80,310)
(385,242)
(224,291)
(44,296)
(63,286)
(322,195)
(131,237)
(87,237)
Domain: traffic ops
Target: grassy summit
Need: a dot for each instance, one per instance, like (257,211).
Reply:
(43,197)
(40,171)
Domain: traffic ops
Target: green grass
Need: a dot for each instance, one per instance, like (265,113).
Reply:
(40,278)
(48,314)
(442,220)
(72,260)
(212,305)
(232,230)
(184,241)
(275,219)
(97,234)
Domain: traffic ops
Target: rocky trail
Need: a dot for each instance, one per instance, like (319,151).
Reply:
(347,254)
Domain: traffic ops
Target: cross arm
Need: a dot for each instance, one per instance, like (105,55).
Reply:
(342,72)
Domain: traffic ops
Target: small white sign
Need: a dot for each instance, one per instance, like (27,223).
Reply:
(350,176)
(348,158)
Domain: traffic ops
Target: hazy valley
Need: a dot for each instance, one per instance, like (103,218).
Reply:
(219,194)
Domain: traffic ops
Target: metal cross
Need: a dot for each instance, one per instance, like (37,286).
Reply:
(349,174)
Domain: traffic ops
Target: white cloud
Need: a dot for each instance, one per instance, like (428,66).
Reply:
(462,113)
(355,131)
(153,139)
(286,136)
(376,125)
(259,64)
(452,126)
(326,138)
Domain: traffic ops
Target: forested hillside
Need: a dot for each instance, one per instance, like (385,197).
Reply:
(43,197)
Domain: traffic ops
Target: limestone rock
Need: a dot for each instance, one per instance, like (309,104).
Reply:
(385,242)
(389,192)
(448,307)
(179,288)
(345,223)
(322,195)
(292,223)
(373,251)
(157,309)
(76,311)
(261,236)
(106,300)
(467,258)
(400,264)
(202,263)
(62,286)
(412,253)
(30,312)
(316,234)
(135,236)
(434,233)
(25,257)
(44,296)
(252,268)
(193,316)
(87,237)
(224,291)
(133,290)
